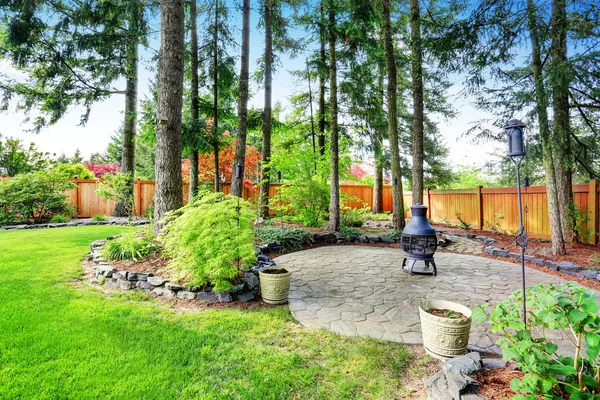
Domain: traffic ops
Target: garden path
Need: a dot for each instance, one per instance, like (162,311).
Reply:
(362,291)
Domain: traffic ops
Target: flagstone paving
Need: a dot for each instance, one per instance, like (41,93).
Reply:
(362,291)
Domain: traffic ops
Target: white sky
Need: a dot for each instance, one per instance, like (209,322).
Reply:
(106,117)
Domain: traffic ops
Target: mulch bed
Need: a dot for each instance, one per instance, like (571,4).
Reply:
(495,383)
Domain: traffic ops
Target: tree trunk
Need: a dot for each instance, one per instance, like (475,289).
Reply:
(215,126)
(378,181)
(312,119)
(266,127)
(392,89)
(322,79)
(554,211)
(334,178)
(124,208)
(563,162)
(194,94)
(417,82)
(169,192)
(237,183)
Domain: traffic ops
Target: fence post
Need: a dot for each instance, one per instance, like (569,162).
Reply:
(429,203)
(594,217)
(480,207)
(78,197)
(138,185)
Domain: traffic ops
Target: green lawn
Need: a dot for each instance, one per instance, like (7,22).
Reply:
(61,341)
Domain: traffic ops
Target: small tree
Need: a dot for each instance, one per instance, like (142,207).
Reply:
(115,186)
(70,171)
(16,159)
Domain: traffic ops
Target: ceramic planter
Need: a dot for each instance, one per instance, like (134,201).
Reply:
(443,337)
(275,288)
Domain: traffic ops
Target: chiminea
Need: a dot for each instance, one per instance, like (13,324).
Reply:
(419,241)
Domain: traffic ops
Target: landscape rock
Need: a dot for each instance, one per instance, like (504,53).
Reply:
(97,243)
(247,296)
(567,265)
(493,363)
(250,280)
(132,276)
(207,296)
(386,239)
(125,284)
(173,286)
(224,297)
(144,285)
(537,261)
(156,280)
(467,364)
(162,291)
(588,274)
(143,276)
(185,295)
(551,264)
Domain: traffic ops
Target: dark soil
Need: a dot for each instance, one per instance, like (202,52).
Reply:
(275,271)
(446,313)
(154,263)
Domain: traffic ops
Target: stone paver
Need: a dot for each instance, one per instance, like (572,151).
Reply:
(360,290)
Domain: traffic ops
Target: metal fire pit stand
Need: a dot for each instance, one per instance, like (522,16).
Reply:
(410,262)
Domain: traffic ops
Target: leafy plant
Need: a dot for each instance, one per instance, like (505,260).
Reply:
(495,225)
(70,171)
(579,219)
(60,219)
(447,222)
(353,216)
(380,217)
(99,217)
(307,203)
(570,308)
(394,234)
(117,186)
(210,240)
(130,245)
(464,225)
(34,197)
(290,239)
(350,234)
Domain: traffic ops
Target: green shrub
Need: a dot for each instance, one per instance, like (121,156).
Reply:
(307,202)
(464,225)
(350,234)
(210,240)
(569,308)
(34,197)
(60,219)
(70,171)
(353,216)
(394,234)
(129,246)
(290,239)
(99,217)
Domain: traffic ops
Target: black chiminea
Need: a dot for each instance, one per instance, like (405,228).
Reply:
(419,241)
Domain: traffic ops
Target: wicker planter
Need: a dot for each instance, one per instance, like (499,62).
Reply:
(443,337)
(275,288)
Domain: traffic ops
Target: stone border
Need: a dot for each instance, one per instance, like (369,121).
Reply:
(106,274)
(565,267)
(77,222)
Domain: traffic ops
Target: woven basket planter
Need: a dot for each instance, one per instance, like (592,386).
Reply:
(275,288)
(443,337)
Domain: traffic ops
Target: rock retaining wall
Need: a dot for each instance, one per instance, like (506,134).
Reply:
(77,222)
(106,274)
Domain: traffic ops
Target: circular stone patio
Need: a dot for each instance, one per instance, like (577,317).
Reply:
(362,291)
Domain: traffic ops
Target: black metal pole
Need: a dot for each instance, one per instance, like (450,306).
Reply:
(521,239)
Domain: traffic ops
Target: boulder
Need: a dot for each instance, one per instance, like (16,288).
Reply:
(493,363)
(207,296)
(173,286)
(467,364)
(567,265)
(247,296)
(144,285)
(588,274)
(125,284)
(250,280)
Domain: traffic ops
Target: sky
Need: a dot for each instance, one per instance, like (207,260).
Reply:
(106,117)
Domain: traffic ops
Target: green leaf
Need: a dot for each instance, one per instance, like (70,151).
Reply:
(589,381)
(592,339)
(590,306)
(516,385)
(577,316)
(551,348)
(558,369)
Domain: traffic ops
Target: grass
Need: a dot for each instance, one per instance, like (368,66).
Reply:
(62,340)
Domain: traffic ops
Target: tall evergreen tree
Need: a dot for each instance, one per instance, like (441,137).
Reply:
(417,89)
(267,122)
(169,192)
(237,184)
(194,106)
(334,176)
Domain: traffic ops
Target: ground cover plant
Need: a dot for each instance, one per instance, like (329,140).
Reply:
(290,239)
(60,339)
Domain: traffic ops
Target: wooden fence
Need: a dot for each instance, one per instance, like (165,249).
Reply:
(480,207)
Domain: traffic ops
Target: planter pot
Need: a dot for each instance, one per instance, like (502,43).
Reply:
(275,288)
(443,337)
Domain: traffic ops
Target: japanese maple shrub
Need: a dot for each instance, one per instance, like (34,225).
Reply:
(569,308)
(210,240)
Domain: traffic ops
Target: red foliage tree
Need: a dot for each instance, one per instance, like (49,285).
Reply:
(100,169)
(357,171)
(206,166)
